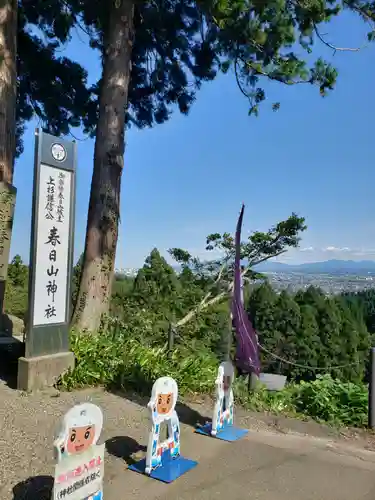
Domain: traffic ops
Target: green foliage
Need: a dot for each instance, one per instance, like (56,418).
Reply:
(122,286)
(287,322)
(262,308)
(121,359)
(174,47)
(131,352)
(324,399)
(18,272)
(224,344)
(178,45)
(215,277)
(335,402)
(307,342)
(363,304)
(42,28)
(16,293)
(309,330)
(157,284)
(261,245)
(256,40)
(16,300)
(118,359)
(280,402)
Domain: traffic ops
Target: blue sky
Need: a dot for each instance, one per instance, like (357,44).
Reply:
(188,177)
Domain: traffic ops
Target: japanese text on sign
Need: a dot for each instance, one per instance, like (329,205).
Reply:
(77,477)
(52,246)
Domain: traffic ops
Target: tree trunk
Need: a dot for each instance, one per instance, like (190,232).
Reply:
(8,87)
(104,208)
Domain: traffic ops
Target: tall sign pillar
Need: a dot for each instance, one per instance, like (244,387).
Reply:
(47,353)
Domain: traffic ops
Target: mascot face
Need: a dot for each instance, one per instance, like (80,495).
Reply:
(81,428)
(163,398)
(226,383)
(80,439)
(165,403)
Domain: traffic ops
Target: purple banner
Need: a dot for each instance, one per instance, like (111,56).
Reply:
(247,355)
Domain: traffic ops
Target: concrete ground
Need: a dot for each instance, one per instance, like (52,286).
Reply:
(273,462)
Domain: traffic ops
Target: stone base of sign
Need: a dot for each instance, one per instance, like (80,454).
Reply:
(42,371)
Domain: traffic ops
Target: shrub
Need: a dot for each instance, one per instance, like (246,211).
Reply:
(16,293)
(124,362)
(16,300)
(324,399)
(338,403)
(281,402)
(120,359)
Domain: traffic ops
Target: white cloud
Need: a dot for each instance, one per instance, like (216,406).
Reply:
(336,249)
(307,249)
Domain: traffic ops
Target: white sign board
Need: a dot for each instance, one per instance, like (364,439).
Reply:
(80,477)
(162,404)
(52,246)
(224,401)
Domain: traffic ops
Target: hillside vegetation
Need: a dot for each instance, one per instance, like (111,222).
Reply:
(320,343)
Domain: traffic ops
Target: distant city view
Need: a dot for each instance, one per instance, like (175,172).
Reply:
(329,283)
(126,271)
(332,276)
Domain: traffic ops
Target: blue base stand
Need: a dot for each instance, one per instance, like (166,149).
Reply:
(228,433)
(170,470)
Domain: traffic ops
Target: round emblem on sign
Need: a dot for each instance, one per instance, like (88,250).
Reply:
(58,152)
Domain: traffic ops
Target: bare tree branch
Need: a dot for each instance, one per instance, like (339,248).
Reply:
(333,47)
(255,263)
(206,302)
(202,305)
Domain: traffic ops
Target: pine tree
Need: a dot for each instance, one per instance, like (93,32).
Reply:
(156,55)
(287,321)
(355,342)
(365,300)
(261,309)
(329,321)
(32,35)
(312,296)
(193,290)
(157,284)
(307,344)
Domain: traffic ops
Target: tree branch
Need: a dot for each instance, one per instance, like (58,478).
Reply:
(205,303)
(201,307)
(273,77)
(202,304)
(255,263)
(333,47)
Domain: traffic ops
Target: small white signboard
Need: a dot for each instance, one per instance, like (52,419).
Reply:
(162,409)
(224,403)
(80,477)
(52,246)
(79,471)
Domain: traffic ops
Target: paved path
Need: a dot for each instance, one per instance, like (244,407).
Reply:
(266,465)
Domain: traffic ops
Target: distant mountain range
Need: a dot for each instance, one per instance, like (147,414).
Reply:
(360,267)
